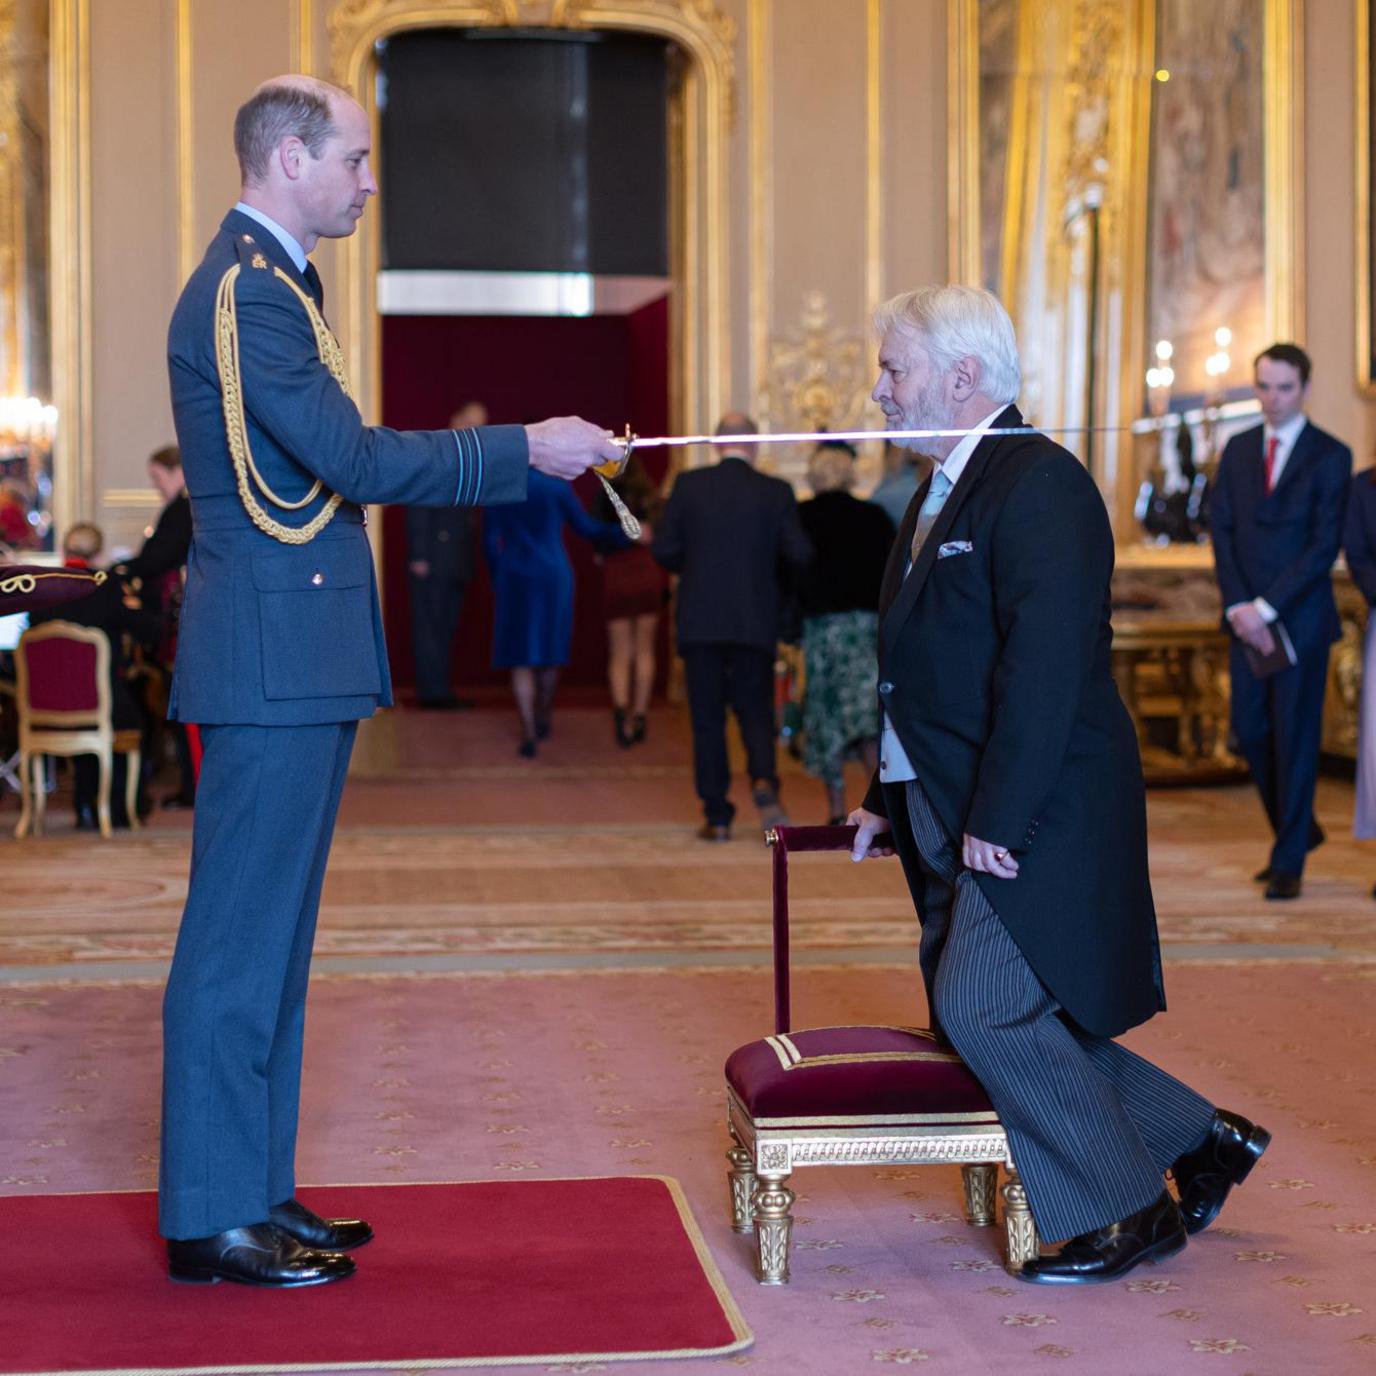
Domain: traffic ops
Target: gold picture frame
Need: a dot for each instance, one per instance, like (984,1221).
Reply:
(1365,343)
(1122,353)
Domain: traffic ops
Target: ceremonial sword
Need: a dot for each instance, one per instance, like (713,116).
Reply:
(631,441)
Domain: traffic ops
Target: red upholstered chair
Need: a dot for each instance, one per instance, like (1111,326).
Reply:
(856,1096)
(62,674)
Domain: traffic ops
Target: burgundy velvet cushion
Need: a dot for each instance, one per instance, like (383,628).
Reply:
(876,1075)
(62,675)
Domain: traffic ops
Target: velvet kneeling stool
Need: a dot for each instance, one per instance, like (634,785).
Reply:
(856,1096)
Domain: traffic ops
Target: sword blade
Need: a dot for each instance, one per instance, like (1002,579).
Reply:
(852,436)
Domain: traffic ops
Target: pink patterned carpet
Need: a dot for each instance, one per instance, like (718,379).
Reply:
(589,1042)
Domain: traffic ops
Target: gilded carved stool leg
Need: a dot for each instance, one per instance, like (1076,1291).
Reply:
(1017,1221)
(980,1183)
(773,1200)
(742,1180)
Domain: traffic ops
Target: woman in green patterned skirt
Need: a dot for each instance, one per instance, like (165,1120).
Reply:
(839,595)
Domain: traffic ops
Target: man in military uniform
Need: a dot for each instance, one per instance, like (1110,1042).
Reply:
(281,654)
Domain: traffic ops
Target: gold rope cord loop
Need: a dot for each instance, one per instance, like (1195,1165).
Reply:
(236,427)
(26,582)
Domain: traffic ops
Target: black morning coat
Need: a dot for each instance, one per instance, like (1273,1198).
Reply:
(994,669)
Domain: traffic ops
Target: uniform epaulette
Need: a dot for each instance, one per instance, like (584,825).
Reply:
(250,253)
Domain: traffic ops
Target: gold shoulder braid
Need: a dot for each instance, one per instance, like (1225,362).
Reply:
(231,390)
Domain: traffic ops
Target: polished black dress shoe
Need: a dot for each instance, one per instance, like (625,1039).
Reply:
(324,1234)
(1283,886)
(1107,1253)
(260,1254)
(1223,1159)
(714,831)
(1263,876)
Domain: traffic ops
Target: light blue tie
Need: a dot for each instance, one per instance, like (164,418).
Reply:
(930,510)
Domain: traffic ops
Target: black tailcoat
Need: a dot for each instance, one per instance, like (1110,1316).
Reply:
(994,668)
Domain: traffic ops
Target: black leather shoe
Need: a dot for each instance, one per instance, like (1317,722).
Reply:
(1262,876)
(260,1254)
(1150,1234)
(323,1234)
(714,831)
(1283,886)
(1225,1158)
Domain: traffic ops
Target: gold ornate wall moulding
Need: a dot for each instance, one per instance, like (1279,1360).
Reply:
(818,379)
(707,37)
(70,230)
(697,25)
(1115,166)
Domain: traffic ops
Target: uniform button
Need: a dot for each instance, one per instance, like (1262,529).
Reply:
(886,688)
(318,579)
(883,764)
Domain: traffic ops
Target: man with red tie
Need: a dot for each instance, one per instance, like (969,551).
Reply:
(1276,513)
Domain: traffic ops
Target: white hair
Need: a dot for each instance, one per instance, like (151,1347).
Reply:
(955,322)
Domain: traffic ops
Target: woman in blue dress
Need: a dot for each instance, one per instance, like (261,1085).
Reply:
(532,583)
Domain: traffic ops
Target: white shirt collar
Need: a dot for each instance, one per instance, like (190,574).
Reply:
(1288,433)
(294,250)
(953,465)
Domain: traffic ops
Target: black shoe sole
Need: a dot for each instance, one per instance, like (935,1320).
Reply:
(197,1275)
(1158,1251)
(1255,1146)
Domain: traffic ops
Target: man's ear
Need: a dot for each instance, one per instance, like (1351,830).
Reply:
(968,373)
(291,155)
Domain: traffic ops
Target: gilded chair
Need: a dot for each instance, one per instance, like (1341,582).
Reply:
(855,1096)
(62,693)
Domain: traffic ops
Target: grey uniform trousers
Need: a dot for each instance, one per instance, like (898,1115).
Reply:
(1091,1127)
(234,1012)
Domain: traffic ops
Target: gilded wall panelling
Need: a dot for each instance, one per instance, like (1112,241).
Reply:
(707,35)
(70,193)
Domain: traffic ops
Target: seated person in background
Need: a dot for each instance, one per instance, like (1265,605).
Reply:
(838,597)
(156,574)
(112,609)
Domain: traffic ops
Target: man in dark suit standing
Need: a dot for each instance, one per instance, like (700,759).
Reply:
(1276,514)
(731,534)
(281,653)
(441,559)
(1010,778)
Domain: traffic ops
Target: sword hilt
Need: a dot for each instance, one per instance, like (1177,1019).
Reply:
(614,468)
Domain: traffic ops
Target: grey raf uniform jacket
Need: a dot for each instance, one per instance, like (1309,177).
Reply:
(277,634)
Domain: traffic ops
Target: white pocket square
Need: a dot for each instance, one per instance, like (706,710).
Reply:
(954,547)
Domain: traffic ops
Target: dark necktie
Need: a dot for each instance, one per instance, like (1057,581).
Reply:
(314,283)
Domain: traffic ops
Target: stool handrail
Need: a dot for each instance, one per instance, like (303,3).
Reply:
(782,840)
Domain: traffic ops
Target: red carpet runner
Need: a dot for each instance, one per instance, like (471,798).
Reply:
(512,1272)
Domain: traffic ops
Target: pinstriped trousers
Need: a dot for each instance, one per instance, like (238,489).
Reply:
(1091,1127)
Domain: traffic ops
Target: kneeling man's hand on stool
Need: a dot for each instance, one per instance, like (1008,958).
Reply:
(870,824)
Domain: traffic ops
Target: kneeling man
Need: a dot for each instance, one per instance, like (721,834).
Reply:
(1010,778)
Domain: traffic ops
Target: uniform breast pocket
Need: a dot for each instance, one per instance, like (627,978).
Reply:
(315,609)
